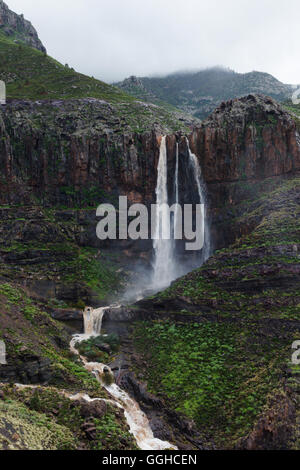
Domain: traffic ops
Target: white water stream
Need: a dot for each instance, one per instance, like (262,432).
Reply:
(201,193)
(163,274)
(165,271)
(164,263)
(165,268)
(136,418)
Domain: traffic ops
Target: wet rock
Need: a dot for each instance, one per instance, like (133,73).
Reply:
(104,347)
(96,409)
(160,430)
(31,370)
(66,314)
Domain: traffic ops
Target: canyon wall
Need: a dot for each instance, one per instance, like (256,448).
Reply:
(60,155)
(62,159)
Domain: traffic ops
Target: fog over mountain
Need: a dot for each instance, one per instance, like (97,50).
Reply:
(113,40)
(199,93)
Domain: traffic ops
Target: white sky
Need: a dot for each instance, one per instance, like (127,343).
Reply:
(112,39)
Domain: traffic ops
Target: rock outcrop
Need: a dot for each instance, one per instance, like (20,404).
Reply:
(15,26)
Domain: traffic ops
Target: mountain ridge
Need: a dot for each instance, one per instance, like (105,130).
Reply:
(199,93)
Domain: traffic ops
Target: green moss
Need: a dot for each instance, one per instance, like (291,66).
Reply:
(110,435)
(219,374)
(49,411)
(223,357)
(21,428)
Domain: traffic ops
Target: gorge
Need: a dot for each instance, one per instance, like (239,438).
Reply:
(194,352)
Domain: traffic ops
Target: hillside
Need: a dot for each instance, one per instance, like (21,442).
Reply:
(30,74)
(198,93)
(217,343)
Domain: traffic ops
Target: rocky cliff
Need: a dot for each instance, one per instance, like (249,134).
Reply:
(81,151)
(16,27)
(62,159)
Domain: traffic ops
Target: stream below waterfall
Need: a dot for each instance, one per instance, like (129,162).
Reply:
(165,270)
(136,418)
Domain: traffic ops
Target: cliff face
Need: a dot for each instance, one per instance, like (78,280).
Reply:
(229,325)
(79,152)
(247,138)
(16,27)
(65,158)
(66,153)
(244,147)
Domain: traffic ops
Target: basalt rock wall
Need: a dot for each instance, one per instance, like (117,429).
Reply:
(70,154)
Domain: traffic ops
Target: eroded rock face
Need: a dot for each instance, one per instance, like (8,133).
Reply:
(247,138)
(73,154)
(246,145)
(16,26)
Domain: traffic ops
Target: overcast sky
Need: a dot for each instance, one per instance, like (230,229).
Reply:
(113,39)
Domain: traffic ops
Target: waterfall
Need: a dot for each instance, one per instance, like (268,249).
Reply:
(93,321)
(164,263)
(165,269)
(176,185)
(202,200)
(137,420)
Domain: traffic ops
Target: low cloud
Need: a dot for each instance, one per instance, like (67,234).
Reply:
(114,39)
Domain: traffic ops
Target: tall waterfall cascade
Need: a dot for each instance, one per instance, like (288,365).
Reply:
(202,200)
(137,420)
(164,271)
(165,266)
(176,184)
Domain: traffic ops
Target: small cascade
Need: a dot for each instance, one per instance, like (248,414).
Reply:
(202,200)
(164,263)
(93,320)
(136,418)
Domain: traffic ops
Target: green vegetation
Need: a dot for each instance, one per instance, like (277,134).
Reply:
(33,75)
(100,348)
(219,374)
(223,359)
(45,419)
(53,254)
(31,335)
(111,435)
(21,428)
(98,274)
